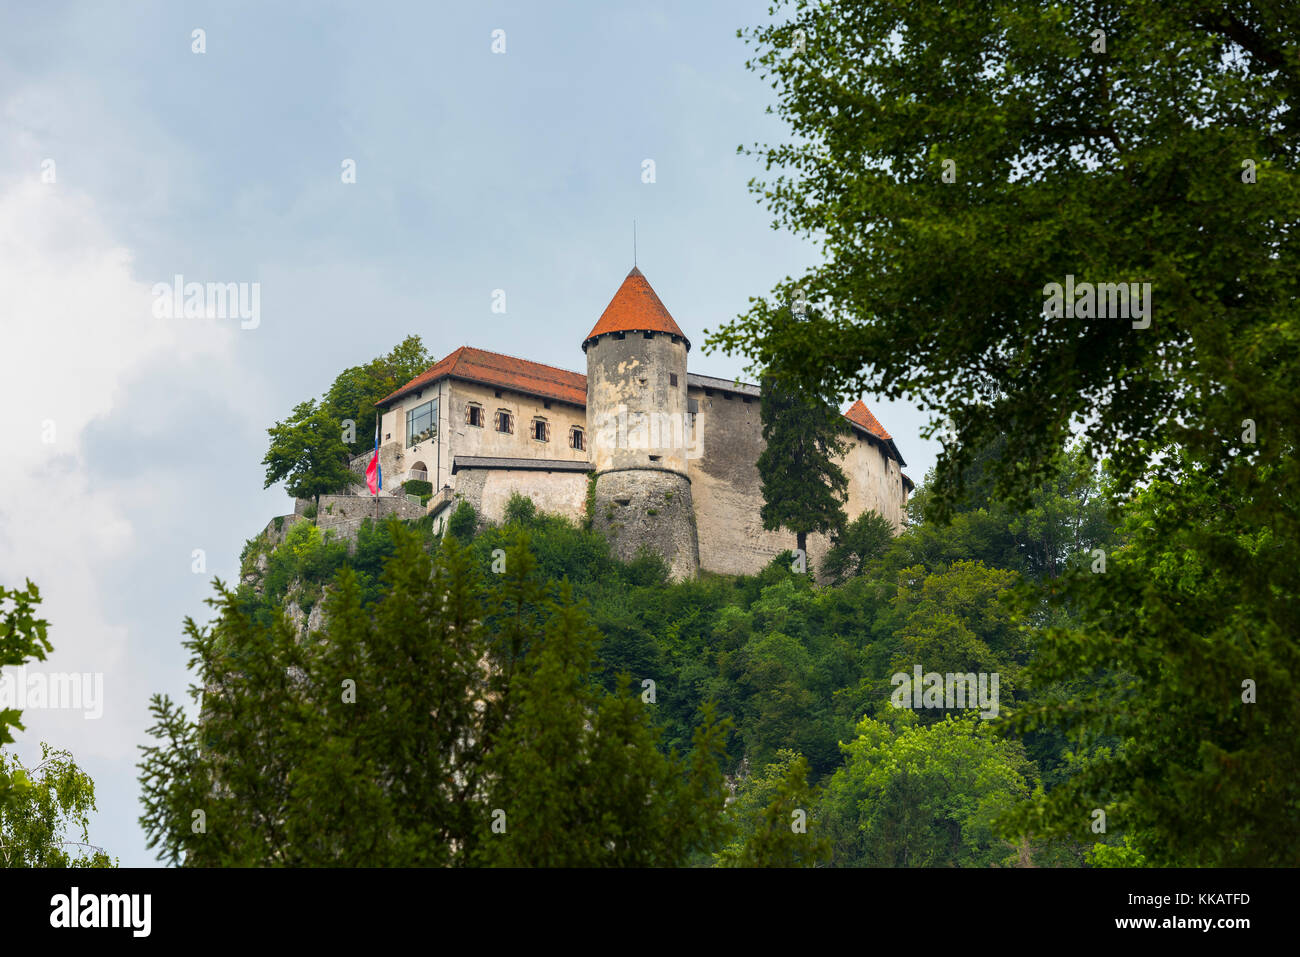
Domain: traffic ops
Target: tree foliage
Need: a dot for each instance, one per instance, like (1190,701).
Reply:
(393,736)
(38,806)
(23,638)
(776,816)
(311,448)
(912,795)
(957,165)
(1195,616)
(1114,162)
(856,545)
(45,821)
(307,453)
(803,486)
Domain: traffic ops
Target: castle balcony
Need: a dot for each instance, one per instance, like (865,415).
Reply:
(416,475)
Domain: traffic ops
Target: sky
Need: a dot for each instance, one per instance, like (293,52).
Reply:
(127,158)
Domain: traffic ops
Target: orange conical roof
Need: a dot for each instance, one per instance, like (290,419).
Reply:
(635,308)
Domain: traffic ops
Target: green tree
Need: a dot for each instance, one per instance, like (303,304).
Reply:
(861,541)
(1194,620)
(23,638)
(311,449)
(307,453)
(954,164)
(925,796)
(463,521)
(47,805)
(354,393)
(577,779)
(38,806)
(390,737)
(775,814)
(804,488)
(957,620)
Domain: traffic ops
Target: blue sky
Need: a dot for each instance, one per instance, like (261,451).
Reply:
(475,171)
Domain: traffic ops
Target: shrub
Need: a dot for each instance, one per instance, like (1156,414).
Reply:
(520,510)
(463,522)
(417,487)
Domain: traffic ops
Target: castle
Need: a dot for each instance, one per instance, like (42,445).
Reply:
(673,454)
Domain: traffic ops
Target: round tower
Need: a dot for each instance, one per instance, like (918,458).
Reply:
(640,428)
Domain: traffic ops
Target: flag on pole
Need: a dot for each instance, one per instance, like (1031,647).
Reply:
(374,474)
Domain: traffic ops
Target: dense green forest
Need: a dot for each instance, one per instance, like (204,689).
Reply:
(773,684)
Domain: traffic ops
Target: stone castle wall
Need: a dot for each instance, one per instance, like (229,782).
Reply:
(343,514)
(640,508)
(728,491)
(558,493)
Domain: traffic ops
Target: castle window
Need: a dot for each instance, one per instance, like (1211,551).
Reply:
(474,415)
(672,378)
(656,458)
(505,422)
(746,399)
(541,431)
(546,404)
(497,393)
(575,439)
(648,335)
(421,422)
(619,335)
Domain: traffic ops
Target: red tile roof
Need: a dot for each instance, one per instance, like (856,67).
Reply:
(502,372)
(634,308)
(861,416)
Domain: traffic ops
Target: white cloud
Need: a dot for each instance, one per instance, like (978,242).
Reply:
(77,329)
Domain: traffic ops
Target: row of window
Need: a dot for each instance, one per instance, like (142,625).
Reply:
(503,420)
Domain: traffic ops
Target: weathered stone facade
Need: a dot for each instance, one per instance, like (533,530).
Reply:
(727,488)
(342,515)
(488,487)
(652,509)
